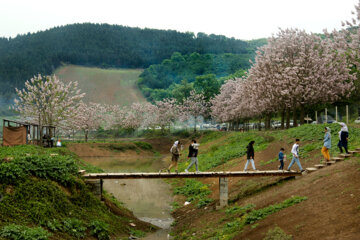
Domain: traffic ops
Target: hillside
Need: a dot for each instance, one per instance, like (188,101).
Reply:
(319,205)
(109,86)
(102,45)
(42,197)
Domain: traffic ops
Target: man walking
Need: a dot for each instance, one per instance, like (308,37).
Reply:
(295,153)
(193,152)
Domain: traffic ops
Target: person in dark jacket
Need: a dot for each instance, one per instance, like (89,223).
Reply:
(343,138)
(193,152)
(250,155)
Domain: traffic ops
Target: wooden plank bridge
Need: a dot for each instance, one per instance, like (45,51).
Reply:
(96,179)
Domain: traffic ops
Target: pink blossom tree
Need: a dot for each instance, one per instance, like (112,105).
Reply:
(167,113)
(89,117)
(48,101)
(194,106)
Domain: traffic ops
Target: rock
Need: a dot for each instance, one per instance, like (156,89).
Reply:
(186,203)
(132,224)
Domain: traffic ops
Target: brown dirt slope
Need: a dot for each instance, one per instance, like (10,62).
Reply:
(332,210)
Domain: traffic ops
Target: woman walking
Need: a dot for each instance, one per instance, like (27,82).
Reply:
(343,138)
(175,154)
(250,155)
(327,145)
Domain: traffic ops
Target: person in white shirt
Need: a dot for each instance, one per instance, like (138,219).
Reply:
(295,153)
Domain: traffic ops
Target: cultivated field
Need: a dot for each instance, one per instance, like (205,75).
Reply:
(110,86)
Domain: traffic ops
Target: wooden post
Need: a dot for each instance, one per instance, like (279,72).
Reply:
(347,114)
(326,117)
(336,118)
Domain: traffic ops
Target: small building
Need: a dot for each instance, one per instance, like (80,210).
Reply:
(21,133)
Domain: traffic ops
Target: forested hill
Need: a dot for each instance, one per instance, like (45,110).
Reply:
(102,45)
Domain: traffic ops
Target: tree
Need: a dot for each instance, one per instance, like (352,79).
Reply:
(208,85)
(48,100)
(182,90)
(297,69)
(89,117)
(194,106)
(167,112)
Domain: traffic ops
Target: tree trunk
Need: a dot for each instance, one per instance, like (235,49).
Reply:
(259,124)
(283,119)
(195,124)
(86,136)
(302,114)
(287,118)
(294,118)
(267,121)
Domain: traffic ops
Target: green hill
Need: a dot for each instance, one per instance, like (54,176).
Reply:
(102,45)
(110,86)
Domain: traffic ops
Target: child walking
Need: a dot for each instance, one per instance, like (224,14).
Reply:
(282,158)
(250,155)
(295,153)
(327,145)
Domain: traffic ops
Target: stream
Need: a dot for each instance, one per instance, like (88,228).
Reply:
(149,199)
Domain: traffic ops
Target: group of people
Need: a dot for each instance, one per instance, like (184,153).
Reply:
(250,153)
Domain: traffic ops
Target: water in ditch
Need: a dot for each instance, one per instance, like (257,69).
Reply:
(149,199)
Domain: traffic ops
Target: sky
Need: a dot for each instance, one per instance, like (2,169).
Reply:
(242,19)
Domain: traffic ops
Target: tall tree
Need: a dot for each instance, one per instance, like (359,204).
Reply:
(48,100)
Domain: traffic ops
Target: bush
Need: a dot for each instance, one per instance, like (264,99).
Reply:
(57,168)
(277,234)
(74,227)
(19,232)
(99,229)
(144,145)
(195,191)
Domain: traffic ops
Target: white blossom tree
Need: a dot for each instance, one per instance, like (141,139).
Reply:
(194,106)
(47,100)
(89,117)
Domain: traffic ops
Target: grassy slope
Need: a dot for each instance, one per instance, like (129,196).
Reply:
(110,86)
(330,192)
(40,189)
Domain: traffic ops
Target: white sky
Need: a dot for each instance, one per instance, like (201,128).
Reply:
(242,19)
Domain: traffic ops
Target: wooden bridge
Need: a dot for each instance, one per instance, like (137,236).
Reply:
(96,179)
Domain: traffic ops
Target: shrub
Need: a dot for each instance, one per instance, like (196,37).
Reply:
(195,191)
(277,234)
(74,227)
(144,145)
(99,229)
(17,232)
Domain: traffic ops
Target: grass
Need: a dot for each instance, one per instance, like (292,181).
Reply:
(110,86)
(41,190)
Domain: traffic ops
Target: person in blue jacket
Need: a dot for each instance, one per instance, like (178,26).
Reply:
(327,145)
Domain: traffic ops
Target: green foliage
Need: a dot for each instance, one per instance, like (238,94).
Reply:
(277,234)
(195,191)
(136,233)
(57,168)
(74,227)
(19,232)
(240,209)
(99,229)
(207,84)
(88,44)
(119,147)
(249,216)
(256,215)
(144,145)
